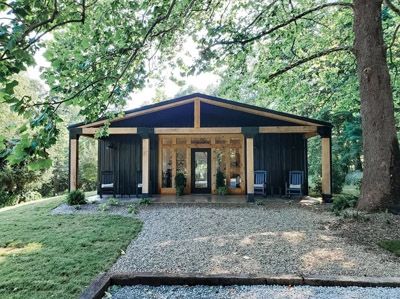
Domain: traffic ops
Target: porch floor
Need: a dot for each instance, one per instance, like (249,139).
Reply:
(199,199)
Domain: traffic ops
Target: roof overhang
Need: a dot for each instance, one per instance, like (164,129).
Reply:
(203,98)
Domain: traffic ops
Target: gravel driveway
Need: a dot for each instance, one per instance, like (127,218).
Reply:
(259,240)
(253,292)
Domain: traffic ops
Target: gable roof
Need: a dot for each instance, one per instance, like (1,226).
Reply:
(212,100)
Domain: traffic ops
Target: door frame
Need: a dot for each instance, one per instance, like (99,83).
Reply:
(193,173)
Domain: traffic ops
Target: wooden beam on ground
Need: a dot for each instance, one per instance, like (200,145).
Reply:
(73,164)
(250,168)
(111,131)
(326,166)
(222,130)
(197,113)
(289,129)
(145,166)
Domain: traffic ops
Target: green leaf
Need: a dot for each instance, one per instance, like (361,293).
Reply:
(9,89)
(2,145)
(40,164)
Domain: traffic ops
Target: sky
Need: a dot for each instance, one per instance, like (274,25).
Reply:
(142,97)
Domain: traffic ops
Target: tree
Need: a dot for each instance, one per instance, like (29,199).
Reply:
(381,181)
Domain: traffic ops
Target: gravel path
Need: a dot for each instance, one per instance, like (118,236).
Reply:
(252,292)
(120,210)
(212,240)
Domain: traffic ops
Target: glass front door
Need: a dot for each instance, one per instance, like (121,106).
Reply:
(201,170)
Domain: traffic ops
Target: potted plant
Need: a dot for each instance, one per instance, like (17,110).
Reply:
(180,183)
(222,189)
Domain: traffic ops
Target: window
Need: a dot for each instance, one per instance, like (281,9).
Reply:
(181,160)
(234,168)
(167,167)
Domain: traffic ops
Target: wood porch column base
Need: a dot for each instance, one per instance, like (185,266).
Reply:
(250,198)
(327,198)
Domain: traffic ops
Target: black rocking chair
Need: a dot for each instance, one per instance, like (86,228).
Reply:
(107,185)
(139,183)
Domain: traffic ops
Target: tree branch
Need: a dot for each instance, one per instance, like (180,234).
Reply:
(307,59)
(136,50)
(390,48)
(392,6)
(281,25)
(50,20)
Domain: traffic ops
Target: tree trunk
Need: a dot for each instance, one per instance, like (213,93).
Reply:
(381,180)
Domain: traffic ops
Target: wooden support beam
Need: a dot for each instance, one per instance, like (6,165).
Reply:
(197,113)
(326,168)
(309,135)
(111,131)
(250,168)
(215,130)
(222,130)
(289,129)
(73,163)
(145,166)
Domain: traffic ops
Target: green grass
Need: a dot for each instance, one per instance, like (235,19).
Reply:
(391,245)
(49,256)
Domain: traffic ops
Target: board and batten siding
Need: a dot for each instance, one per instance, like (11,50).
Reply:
(122,154)
(279,154)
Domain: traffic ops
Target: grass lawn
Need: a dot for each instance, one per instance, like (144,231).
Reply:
(391,245)
(49,256)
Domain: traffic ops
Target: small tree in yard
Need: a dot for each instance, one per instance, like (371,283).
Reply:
(76,197)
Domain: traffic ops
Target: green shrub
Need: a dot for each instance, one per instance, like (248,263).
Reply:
(103,207)
(220,179)
(223,190)
(343,201)
(317,182)
(113,201)
(338,178)
(133,208)
(180,183)
(145,201)
(7,199)
(76,197)
(31,195)
(391,245)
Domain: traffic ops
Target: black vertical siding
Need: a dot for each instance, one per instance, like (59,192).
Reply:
(122,154)
(153,164)
(278,154)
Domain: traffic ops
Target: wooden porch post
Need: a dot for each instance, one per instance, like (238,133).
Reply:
(249,133)
(145,166)
(326,163)
(250,168)
(73,161)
